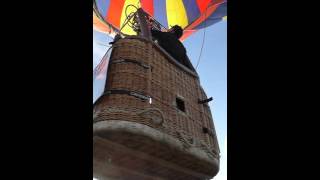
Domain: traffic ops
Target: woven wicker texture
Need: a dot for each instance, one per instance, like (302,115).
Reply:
(140,66)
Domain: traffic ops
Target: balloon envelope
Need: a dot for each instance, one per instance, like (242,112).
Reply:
(192,15)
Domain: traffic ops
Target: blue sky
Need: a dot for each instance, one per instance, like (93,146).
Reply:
(212,70)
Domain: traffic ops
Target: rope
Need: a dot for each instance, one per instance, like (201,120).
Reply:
(204,33)
(128,18)
(153,109)
(103,44)
(139,113)
(203,37)
(197,144)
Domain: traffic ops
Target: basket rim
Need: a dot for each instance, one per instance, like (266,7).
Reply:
(168,56)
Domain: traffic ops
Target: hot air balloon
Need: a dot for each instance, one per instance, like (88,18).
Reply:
(109,16)
(151,118)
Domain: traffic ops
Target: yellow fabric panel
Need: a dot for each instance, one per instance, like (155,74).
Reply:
(127,29)
(176,13)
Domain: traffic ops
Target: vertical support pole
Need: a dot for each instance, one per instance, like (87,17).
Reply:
(146,33)
(145,30)
(150,56)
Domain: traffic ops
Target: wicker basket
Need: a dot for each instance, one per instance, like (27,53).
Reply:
(151,104)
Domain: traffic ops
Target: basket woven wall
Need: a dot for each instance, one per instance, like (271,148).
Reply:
(138,65)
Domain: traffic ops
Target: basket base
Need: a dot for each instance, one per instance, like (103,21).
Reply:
(126,150)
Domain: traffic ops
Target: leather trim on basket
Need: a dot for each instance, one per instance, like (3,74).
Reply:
(127,92)
(131,61)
